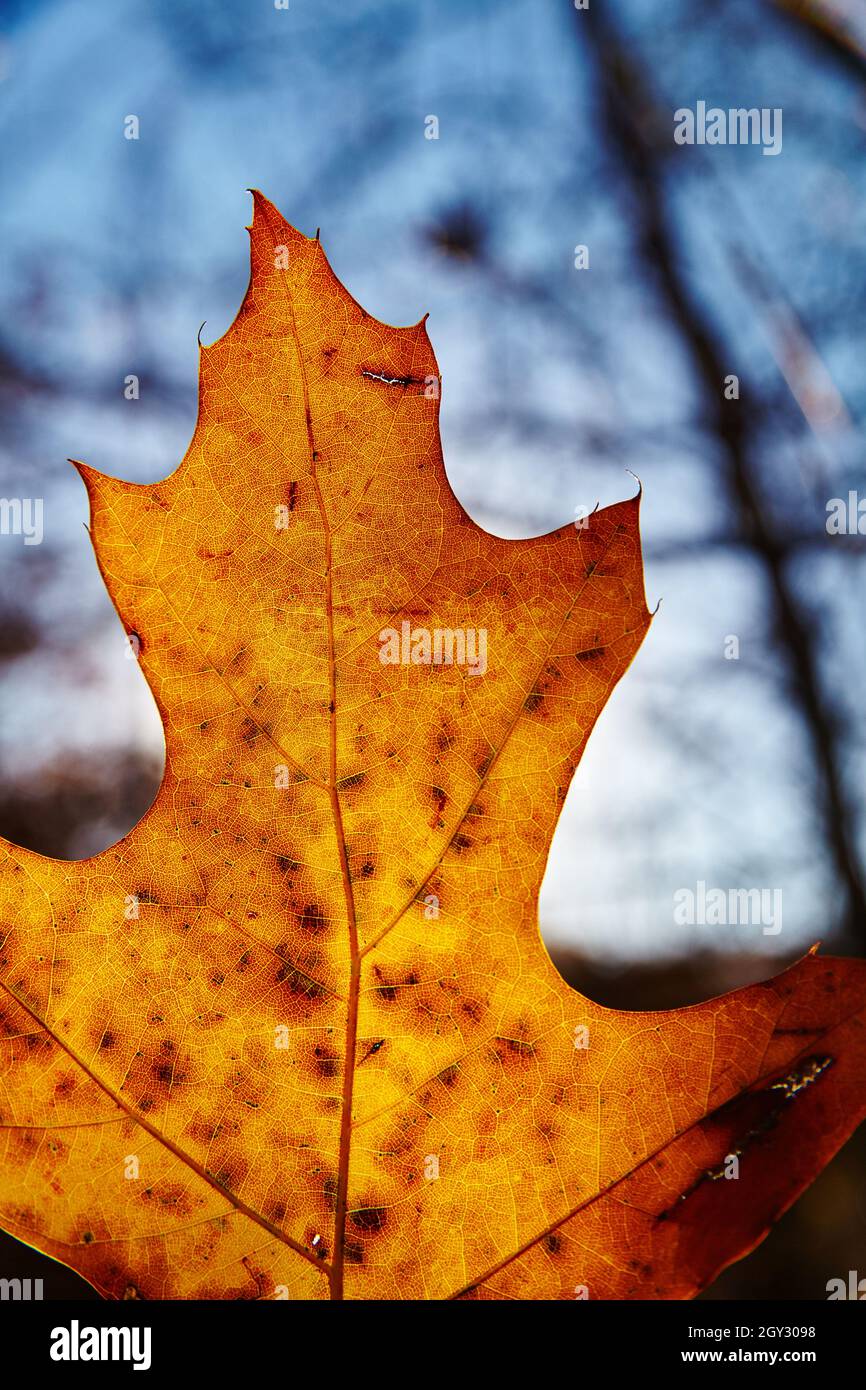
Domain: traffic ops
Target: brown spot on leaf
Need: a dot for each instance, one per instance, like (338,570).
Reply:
(370,1220)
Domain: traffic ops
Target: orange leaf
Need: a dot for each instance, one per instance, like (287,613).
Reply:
(297,1035)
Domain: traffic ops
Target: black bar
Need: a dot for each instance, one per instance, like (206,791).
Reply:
(310,1341)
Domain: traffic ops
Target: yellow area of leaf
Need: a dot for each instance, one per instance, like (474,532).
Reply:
(296,1035)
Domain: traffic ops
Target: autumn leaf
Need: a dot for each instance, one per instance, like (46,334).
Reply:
(297,1035)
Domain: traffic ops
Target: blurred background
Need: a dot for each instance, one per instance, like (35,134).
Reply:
(740,763)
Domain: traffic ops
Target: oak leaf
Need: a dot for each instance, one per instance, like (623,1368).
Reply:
(296,1035)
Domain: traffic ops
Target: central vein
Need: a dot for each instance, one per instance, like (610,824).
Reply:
(336,1271)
